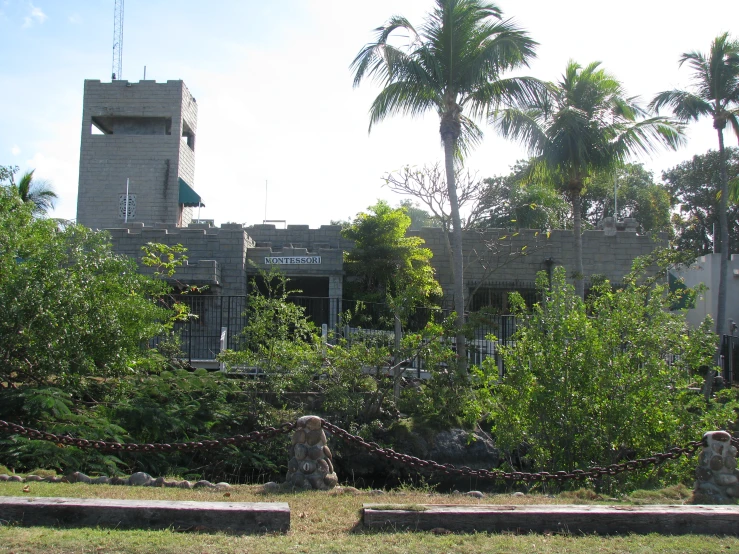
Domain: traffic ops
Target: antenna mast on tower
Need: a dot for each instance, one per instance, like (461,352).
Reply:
(117,39)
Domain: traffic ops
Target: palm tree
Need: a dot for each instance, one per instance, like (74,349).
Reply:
(586,124)
(716,94)
(38,193)
(454,63)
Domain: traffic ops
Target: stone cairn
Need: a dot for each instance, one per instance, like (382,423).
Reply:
(717,476)
(310,465)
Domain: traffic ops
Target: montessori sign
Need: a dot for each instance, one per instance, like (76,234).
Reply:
(292,260)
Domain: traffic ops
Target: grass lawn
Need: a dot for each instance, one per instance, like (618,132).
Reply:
(330,522)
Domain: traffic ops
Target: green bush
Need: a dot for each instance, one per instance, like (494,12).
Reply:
(592,383)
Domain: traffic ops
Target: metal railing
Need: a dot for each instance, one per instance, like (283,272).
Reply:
(729,359)
(218,321)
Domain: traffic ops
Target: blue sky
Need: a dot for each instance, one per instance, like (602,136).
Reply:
(275,95)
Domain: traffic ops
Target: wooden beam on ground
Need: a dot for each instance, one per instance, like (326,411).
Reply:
(575,519)
(232,517)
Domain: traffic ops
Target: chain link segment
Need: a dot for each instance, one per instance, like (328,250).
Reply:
(371,447)
(105,446)
(499,475)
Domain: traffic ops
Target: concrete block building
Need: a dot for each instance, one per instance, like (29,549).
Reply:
(137,154)
(137,167)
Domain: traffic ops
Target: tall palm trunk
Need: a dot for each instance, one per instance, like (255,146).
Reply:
(723,224)
(458,261)
(579,273)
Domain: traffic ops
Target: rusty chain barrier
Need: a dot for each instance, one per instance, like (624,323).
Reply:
(499,475)
(371,447)
(105,446)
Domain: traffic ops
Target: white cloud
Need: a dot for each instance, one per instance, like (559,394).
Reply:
(74,19)
(36,15)
(15,150)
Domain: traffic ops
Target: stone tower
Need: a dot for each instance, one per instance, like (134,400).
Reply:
(143,132)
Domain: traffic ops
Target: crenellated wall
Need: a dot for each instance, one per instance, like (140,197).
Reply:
(143,132)
(216,255)
(515,257)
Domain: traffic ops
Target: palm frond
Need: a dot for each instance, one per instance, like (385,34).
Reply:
(512,92)
(644,136)
(686,105)
(470,137)
(523,126)
(402,97)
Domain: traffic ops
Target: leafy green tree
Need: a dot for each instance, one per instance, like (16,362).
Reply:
(638,196)
(590,384)
(585,125)
(278,341)
(385,263)
(419,217)
(7,172)
(37,192)
(70,308)
(454,63)
(716,95)
(511,202)
(693,185)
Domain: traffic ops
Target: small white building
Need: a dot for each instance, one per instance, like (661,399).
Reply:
(706,270)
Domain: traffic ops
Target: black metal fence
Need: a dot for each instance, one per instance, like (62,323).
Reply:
(729,359)
(218,321)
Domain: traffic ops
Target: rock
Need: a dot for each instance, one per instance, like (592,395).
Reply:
(271,487)
(309,464)
(203,484)
(519,493)
(4,477)
(458,446)
(315,437)
(309,422)
(102,480)
(139,479)
(716,463)
(474,494)
(30,478)
(52,479)
(184,484)
(723,479)
(376,492)
(222,486)
(170,484)
(78,477)
(158,482)
(717,479)
(119,480)
(15,478)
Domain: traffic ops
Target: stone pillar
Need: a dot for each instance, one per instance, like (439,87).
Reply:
(310,465)
(717,477)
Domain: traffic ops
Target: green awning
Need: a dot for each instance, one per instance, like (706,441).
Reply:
(188,197)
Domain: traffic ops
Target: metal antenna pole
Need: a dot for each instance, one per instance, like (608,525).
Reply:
(125,220)
(615,197)
(117,39)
